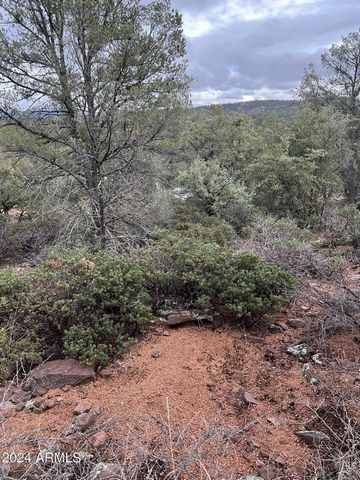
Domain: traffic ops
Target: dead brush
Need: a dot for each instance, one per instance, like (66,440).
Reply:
(340,459)
(152,449)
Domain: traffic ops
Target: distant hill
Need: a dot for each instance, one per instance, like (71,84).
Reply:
(261,108)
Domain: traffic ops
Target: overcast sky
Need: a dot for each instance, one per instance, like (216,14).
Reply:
(258,49)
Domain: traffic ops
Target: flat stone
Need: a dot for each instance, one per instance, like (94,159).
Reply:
(297,323)
(58,373)
(106,373)
(181,317)
(157,354)
(313,438)
(250,399)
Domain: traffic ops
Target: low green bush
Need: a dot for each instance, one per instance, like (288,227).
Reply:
(191,271)
(77,304)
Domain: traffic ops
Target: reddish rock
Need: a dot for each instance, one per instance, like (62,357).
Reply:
(39,391)
(20,406)
(58,373)
(51,403)
(85,421)
(82,407)
(99,439)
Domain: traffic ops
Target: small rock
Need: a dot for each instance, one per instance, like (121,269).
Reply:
(39,391)
(82,407)
(250,399)
(51,403)
(106,373)
(276,421)
(36,405)
(282,325)
(106,471)
(20,406)
(157,354)
(316,359)
(66,388)
(99,439)
(297,323)
(275,328)
(85,421)
(300,350)
(313,438)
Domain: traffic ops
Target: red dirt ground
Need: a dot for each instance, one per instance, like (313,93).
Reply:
(202,375)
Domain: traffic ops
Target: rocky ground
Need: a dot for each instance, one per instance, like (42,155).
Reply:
(202,401)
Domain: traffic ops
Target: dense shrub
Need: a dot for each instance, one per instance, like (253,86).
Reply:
(205,228)
(78,304)
(189,270)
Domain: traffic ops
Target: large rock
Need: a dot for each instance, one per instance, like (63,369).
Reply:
(58,373)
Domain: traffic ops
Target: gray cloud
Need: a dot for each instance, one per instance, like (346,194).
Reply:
(255,49)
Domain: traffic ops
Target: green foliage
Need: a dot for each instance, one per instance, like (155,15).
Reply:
(19,346)
(78,304)
(192,271)
(195,223)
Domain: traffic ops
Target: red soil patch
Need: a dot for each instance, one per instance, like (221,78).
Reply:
(203,375)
